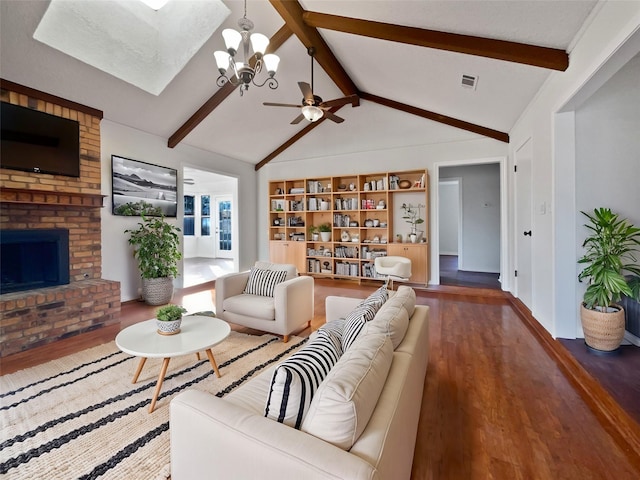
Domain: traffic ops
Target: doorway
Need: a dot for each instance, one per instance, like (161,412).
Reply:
(209,226)
(470,205)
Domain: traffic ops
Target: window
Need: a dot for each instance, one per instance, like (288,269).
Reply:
(189,215)
(205,220)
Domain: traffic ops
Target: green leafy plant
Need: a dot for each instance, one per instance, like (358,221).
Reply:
(138,208)
(170,312)
(156,246)
(411,214)
(324,227)
(610,251)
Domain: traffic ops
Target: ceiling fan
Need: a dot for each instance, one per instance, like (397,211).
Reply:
(313,107)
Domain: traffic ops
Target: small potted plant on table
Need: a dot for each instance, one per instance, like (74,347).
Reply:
(169,319)
(610,249)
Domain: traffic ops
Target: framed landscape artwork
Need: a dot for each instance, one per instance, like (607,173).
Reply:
(142,188)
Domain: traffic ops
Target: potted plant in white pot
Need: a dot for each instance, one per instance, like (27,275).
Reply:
(156,246)
(169,319)
(610,251)
(325,232)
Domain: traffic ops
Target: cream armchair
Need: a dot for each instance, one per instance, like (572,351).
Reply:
(287,311)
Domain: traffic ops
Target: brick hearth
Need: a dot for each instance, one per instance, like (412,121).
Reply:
(29,201)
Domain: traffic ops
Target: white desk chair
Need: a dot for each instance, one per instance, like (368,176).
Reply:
(393,267)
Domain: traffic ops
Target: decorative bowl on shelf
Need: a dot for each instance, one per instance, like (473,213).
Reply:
(404,184)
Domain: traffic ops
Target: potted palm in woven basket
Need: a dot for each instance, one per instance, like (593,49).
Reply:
(610,251)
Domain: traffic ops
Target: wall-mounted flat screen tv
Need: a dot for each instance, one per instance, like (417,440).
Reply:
(141,188)
(34,141)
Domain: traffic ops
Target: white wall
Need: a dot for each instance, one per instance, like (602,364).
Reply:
(607,162)
(407,158)
(449,206)
(480,185)
(117,259)
(611,26)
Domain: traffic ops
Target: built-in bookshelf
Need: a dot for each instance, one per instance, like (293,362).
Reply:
(364,218)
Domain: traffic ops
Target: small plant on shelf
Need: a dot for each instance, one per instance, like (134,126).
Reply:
(412,215)
(324,227)
(170,312)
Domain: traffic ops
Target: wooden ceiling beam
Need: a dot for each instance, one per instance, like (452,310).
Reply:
(292,13)
(276,41)
(544,57)
(293,140)
(436,117)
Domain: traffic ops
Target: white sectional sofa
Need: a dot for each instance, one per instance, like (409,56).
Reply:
(230,437)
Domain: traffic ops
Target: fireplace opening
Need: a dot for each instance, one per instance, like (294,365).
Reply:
(35,258)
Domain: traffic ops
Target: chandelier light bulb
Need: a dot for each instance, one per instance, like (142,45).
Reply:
(222,60)
(259,43)
(232,39)
(271,62)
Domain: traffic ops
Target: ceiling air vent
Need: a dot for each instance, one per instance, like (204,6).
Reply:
(469,81)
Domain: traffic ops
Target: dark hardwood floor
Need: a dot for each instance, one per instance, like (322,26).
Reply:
(450,275)
(618,374)
(495,405)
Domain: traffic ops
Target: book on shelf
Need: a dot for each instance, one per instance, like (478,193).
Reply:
(314,186)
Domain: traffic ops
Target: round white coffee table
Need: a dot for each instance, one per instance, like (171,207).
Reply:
(197,334)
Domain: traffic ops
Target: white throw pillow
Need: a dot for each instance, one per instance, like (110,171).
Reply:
(296,380)
(346,399)
(393,316)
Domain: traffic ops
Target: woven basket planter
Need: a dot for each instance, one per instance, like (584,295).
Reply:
(602,331)
(157,291)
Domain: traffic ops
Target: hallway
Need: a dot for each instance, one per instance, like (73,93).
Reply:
(450,275)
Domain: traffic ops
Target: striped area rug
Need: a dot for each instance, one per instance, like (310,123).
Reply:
(80,417)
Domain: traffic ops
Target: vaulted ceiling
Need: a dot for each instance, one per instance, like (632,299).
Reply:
(403,58)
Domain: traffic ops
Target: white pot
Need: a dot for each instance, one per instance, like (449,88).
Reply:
(168,327)
(325,236)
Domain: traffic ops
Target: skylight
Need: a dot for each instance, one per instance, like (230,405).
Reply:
(144,47)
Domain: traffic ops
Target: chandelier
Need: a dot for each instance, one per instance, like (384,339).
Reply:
(242,73)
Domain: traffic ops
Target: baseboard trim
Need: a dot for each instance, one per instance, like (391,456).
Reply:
(623,429)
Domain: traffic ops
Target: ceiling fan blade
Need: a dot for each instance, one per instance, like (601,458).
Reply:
(354,100)
(270,104)
(298,119)
(307,92)
(333,116)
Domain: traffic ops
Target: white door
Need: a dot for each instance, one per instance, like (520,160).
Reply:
(223,227)
(524,232)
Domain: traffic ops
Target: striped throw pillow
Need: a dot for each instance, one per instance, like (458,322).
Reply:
(363,313)
(333,332)
(263,282)
(296,380)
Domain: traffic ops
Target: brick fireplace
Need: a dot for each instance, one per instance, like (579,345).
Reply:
(41,201)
